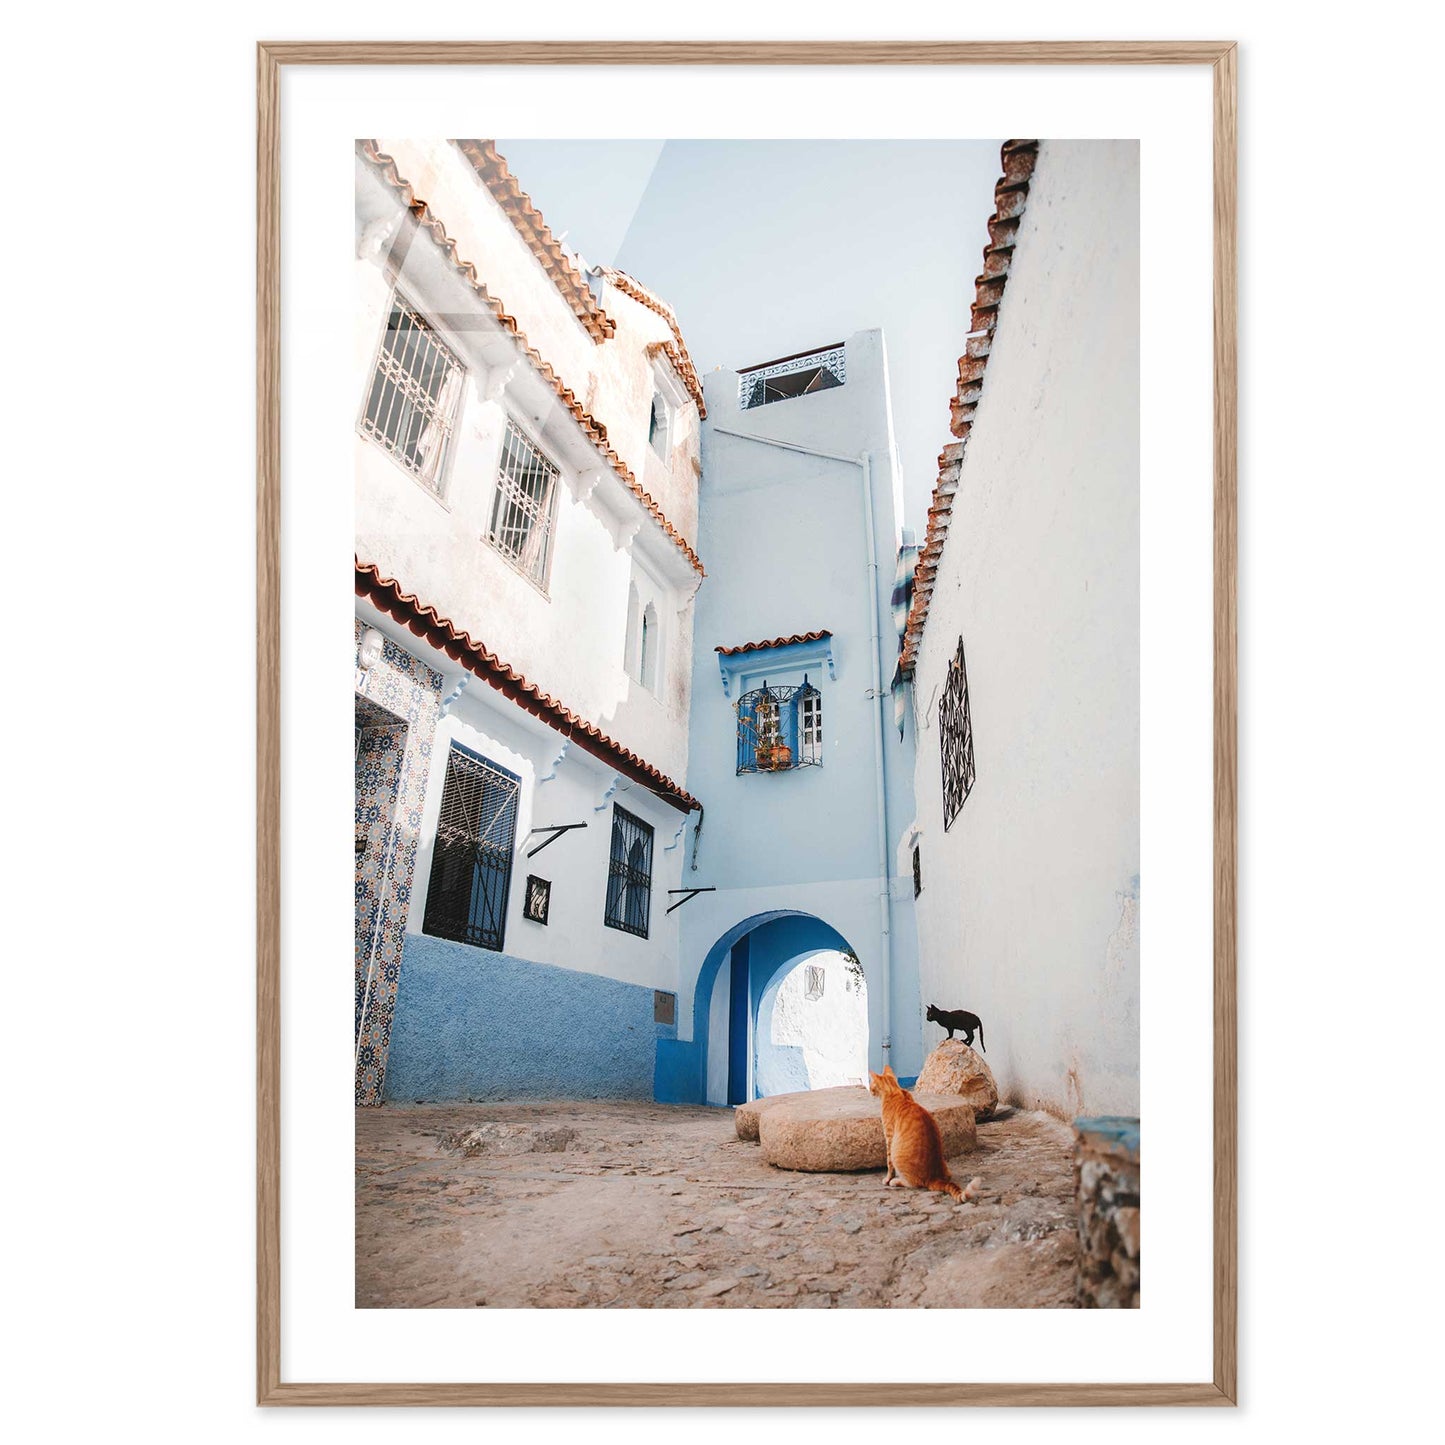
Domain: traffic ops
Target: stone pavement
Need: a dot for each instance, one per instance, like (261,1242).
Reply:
(575,1204)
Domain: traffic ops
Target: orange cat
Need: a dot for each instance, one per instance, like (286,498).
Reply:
(915,1147)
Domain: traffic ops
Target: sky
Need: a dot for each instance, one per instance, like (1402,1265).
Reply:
(765,248)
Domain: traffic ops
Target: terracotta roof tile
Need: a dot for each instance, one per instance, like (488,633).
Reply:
(1010,196)
(629,286)
(385,167)
(774,642)
(445,636)
(492,170)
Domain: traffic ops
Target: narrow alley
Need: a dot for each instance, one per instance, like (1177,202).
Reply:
(626,1205)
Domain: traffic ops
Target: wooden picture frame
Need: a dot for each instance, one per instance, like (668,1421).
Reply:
(271,1389)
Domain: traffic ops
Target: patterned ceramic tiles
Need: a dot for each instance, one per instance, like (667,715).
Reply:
(397,704)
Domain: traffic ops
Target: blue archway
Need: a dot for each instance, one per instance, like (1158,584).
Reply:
(759,949)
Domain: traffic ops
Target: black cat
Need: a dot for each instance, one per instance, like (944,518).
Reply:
(960,1019)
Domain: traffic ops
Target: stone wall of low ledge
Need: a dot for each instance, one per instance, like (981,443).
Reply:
(840,1130)
(1106,1178)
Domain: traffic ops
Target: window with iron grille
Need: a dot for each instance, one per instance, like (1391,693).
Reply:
(813,981)
(525,506)
(471,867)
(416,388)
(780,728)
(629,874)
(955,738)
(791,376)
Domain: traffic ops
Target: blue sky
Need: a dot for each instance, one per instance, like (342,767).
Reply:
(765,248)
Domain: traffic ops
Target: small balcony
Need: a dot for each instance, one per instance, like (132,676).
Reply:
(780,728)
(790,376)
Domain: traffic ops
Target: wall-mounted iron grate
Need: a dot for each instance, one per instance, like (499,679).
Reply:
(955,738)
(539,899)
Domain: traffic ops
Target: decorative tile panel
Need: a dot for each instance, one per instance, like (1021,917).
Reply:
(398,700)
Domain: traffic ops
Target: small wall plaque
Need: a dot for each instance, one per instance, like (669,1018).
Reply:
(539,899)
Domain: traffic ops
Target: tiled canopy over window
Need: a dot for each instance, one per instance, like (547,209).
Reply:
(793,376)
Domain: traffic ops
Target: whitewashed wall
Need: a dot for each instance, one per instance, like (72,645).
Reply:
(575,790)
(1029,913)
(567,636)
(830,1033)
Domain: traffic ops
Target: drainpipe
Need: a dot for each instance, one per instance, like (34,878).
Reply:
(864,462)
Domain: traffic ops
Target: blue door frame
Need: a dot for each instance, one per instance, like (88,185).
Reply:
(739,1023)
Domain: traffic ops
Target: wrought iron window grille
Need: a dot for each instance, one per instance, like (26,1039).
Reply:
(793,376)
(780,728)
(525,506)
(416,389)
(955,738)
(539,899)
(629,874)
(471,869)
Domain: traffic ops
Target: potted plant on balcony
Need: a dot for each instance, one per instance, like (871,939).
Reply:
(773,754)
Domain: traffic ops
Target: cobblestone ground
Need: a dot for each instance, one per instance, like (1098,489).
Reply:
(644,1205)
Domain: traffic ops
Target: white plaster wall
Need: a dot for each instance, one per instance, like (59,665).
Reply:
(1029,910)
(789,543)
(574,936)
(566,636)
(613,378)
(832,1031)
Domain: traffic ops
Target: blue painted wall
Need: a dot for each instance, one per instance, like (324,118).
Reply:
(787,546)
(472,1024)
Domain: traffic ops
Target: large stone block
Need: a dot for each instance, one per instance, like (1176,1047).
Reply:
(954,1068)
(745,1119)
(841,1130)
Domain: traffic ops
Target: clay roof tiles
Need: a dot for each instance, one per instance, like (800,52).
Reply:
(555,260)
(427,221)
(425,622)
(677,354)
(774,642)
(1010,194)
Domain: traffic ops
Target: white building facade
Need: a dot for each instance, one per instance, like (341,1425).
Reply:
(527,465)
(807,786)
(1023,643)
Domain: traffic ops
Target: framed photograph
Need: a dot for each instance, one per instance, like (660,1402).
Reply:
(789,494)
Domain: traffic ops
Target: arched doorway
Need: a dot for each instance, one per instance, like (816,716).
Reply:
(718,1064)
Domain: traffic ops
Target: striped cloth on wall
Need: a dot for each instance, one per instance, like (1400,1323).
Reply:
(902,601)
